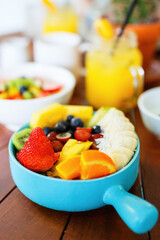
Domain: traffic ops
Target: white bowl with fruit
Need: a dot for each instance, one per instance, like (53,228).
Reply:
(19,100)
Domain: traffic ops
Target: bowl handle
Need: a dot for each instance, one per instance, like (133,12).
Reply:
(139,215)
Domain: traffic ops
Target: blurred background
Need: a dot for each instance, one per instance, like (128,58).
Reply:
(81,36)
(36,18)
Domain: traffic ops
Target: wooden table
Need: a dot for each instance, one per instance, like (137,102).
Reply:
(21,219)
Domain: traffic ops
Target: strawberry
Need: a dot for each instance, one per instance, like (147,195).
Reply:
(51,87)
(37,153)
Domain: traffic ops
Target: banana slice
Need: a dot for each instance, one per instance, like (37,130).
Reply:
(118,127)
(128,142)
(119,140)
(122,150)
(122,134)
(109,116)
(120,160)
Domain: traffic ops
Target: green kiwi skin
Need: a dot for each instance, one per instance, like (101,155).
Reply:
(19,138)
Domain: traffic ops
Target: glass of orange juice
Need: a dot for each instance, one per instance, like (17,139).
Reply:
(62,18)
(114,76)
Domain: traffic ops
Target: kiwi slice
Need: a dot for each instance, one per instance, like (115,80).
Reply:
(27,95)
(19,138)
(18,82)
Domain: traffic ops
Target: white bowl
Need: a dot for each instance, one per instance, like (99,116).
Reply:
(149,106)
(15,113)
(60,49)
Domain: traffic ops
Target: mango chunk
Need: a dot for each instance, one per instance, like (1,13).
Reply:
(48,116)
(75,149)
(70,168)
(70,143)
(83,112)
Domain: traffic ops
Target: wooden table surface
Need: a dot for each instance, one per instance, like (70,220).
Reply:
(21,219)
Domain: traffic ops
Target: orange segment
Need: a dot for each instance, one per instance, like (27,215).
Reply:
(95,164)
(70,168)
(104,28)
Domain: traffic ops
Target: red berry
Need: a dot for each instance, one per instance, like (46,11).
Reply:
(57,146)
(52,136)
(56,156)
(82,135)
(95,136)
(85,129)
(37,153)
(94,146)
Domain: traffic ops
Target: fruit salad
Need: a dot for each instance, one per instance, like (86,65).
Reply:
(27,88)
(72,142)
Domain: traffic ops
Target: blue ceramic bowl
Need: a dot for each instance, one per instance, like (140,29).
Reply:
(83,195)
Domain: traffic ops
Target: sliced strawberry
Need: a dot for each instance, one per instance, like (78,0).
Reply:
(43,94)
(94,146)
(17,96)
(95,136)
(51,87)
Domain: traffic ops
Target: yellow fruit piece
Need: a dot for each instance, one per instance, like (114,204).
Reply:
(104,28)
(87,145)
(70,168)
(13,92)
(83,112)
(73,150)
(70,143)
(48,116)
(35,90)
(3,95)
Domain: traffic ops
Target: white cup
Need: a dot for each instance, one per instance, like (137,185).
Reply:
(59,48)
(14,50)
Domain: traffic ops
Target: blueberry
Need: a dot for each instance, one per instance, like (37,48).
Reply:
(76,122)
(61,126)
(69,118)
(47,130)
(96,129)
(23,89)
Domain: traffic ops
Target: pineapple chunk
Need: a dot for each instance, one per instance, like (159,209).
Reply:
(48,116)
(83,112)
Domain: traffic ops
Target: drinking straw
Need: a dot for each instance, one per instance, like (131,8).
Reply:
(127,17)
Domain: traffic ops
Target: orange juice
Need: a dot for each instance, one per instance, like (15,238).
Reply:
(62,19)
(113,75)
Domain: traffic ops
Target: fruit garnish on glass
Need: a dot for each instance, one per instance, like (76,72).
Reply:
(70,142)
(27,88)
